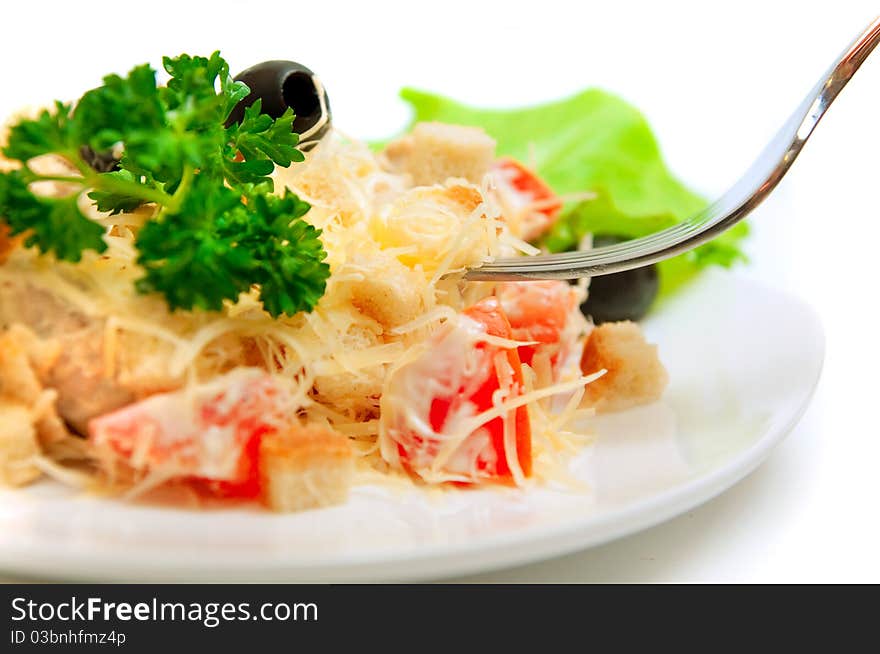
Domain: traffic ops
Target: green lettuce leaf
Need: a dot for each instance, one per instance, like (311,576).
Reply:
(594,141)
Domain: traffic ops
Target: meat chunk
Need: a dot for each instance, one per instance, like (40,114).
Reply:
(635,374)
(305,467)
(89,379)
(433,152)
(39,310)
(85,389)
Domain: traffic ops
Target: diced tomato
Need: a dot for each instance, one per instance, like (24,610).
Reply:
(546,312)
(209,434)
(522,191)
(246,483)
(458,377)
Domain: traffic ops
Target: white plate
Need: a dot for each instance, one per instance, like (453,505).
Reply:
(743,362)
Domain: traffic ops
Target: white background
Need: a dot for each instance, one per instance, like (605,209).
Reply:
(715,80)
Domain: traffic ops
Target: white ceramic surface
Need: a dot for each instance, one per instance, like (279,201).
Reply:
(743,362)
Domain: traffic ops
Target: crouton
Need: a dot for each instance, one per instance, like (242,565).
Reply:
(388,292)
(17,378)
(434,152)
(355,395)
(305,467)
(23,359)
(42,353)
(18,445)
(634,374)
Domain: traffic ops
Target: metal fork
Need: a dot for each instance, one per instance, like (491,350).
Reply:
(729,209)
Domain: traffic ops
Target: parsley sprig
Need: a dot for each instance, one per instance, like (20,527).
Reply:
(218,228)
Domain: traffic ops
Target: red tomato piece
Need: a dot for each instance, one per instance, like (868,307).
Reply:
(246,483)
(546,312)
(456,379)
(209,434)
(522,191)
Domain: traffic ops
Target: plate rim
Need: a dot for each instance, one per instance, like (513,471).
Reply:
(438,561)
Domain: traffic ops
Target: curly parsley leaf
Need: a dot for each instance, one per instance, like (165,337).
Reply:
(230,247)
(114,202)
(52,224)
(49,132)
(194,79)
(292,272)
(120,108)
(186,258)
(216,231)
(258,135)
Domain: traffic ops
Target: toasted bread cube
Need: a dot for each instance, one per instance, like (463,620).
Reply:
(305,467)
(18,444)
(434,152)
(389,293)
(354,394)
(634,374)
(18,380)
(23,357)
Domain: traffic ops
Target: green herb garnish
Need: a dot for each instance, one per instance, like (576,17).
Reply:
(218,229)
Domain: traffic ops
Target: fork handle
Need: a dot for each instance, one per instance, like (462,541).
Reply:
(740,200)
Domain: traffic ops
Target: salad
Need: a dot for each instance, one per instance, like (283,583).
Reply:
(205,286)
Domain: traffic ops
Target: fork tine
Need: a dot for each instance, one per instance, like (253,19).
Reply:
(748,192)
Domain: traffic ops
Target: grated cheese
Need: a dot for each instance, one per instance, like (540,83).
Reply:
(337,361)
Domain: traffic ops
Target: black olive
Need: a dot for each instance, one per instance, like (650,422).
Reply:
(621,296)
(283,84)
(102,162)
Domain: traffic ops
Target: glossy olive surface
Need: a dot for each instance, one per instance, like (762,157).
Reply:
(287,84)
(625,295)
